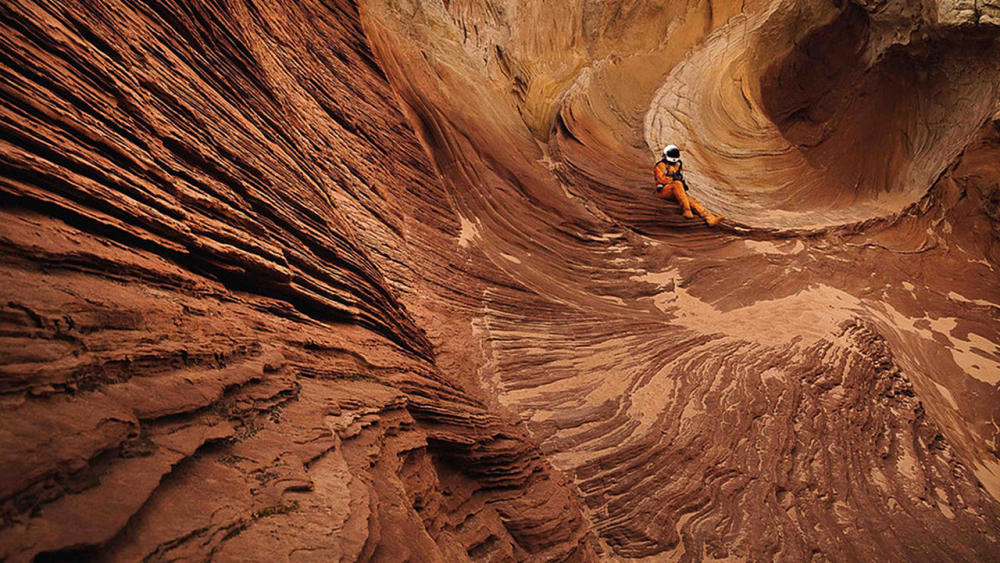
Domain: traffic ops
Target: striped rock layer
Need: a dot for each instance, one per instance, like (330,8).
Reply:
(385,280)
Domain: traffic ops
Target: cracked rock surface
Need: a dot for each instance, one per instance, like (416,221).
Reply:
(339,280)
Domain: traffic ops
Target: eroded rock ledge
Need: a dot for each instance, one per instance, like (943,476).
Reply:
(330,281)
(209,230)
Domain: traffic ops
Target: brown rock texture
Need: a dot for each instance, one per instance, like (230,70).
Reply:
(385,280)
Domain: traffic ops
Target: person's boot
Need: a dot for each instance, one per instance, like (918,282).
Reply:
(687,213)
(713,220)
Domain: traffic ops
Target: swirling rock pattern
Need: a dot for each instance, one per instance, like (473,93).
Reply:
(817,380)
(209,227)
(384,280)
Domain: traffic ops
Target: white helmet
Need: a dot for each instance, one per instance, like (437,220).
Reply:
(671,154)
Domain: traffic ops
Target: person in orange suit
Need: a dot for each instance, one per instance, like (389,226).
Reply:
(670,184)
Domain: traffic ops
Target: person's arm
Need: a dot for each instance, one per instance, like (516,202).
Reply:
(662,173)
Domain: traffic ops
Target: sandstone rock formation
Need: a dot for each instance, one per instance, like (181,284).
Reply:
(384,280)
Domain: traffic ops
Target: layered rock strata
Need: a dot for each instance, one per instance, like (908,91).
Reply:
(214,217)
(385,281)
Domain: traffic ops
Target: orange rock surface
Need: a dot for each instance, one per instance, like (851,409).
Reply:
(385,280)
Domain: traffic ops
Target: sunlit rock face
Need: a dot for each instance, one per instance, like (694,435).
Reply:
(385,280)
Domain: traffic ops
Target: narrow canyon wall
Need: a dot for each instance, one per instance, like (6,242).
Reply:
(214,219)
(385,280)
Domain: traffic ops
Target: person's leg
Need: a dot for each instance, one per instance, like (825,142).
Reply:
(682,198)
(698,207)
(665,192)
(710,218)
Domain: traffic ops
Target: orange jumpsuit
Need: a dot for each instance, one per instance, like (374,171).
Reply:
(674,189)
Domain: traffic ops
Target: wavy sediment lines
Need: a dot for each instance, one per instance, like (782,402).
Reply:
(809,315)
(775,111)
(211,283)
(934,348)
(658,423)
(246,316)
(709,396)
(527,223)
